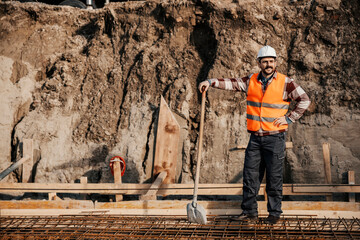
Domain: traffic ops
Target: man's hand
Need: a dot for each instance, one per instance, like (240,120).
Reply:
(204,86)
(280,121)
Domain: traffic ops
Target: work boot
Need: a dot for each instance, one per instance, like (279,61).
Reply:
(245,217)
(271,219)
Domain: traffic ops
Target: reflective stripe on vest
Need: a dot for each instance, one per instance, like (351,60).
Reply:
(263,108)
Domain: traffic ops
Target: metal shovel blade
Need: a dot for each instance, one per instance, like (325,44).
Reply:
(196,213)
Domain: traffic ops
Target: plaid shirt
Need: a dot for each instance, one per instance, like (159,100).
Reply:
(292,91)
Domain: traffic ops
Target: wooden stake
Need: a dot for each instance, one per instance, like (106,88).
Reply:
(327,167)
(117,179)
(351,180)
(151,193)
(52,196)
(28,165)
(83,180)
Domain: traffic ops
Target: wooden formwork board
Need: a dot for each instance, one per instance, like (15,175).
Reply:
(172,189)
(173,208)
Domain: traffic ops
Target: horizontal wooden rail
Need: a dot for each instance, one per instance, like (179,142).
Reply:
(172,189)
(327,188)
(172,208)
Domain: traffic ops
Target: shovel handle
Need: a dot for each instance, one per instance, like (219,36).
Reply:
(202,117)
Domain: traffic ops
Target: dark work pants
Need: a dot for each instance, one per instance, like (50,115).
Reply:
(264,152)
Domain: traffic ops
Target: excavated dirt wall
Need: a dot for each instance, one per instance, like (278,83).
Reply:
(86,84)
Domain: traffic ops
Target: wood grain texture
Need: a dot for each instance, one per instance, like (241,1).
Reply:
(167,142)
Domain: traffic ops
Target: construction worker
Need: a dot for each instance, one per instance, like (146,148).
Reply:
(268,96)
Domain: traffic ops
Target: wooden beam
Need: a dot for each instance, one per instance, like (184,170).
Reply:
(129,188)
(327,166)
(117,179)
(28,165)
(167,143)
(14,166)
(168,204)
(174,212)
(340,188)
(286,205)
(151,193)
(83,180)
(242,147)
(45,204)
(351,180)
(178,207)
(171,189)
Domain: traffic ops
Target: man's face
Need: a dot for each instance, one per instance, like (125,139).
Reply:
(267,65)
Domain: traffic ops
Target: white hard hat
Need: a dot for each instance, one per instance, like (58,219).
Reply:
(266,51)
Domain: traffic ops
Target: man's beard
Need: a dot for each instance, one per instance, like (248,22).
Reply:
(272,70)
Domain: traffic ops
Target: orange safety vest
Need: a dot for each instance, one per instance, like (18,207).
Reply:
(263,108)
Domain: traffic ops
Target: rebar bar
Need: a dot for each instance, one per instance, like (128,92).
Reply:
(174,227)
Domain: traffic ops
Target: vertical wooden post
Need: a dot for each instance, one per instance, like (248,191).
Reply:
(264,181)
(28,165)
(265,194)
(351,180)
(327,166)
(117,179)
(52,196)
(83,180)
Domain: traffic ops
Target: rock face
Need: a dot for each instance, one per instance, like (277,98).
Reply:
(86,84)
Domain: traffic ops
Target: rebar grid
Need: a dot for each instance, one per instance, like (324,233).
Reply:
(173,227)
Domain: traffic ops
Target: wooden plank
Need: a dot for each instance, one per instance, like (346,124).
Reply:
(14,166)
(168,204)
(351,180)
(288,146)
(171,189)
(132,189)
(327,166)
(117,179)
(174,212)
(167,142)
(286,205)
(326,189)
(172,208)
(151,193)
(28,165)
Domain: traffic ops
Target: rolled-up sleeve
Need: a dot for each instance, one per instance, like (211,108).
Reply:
(295,92)
(234,84)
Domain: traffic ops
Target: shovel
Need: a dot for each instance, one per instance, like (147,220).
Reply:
(195,212)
